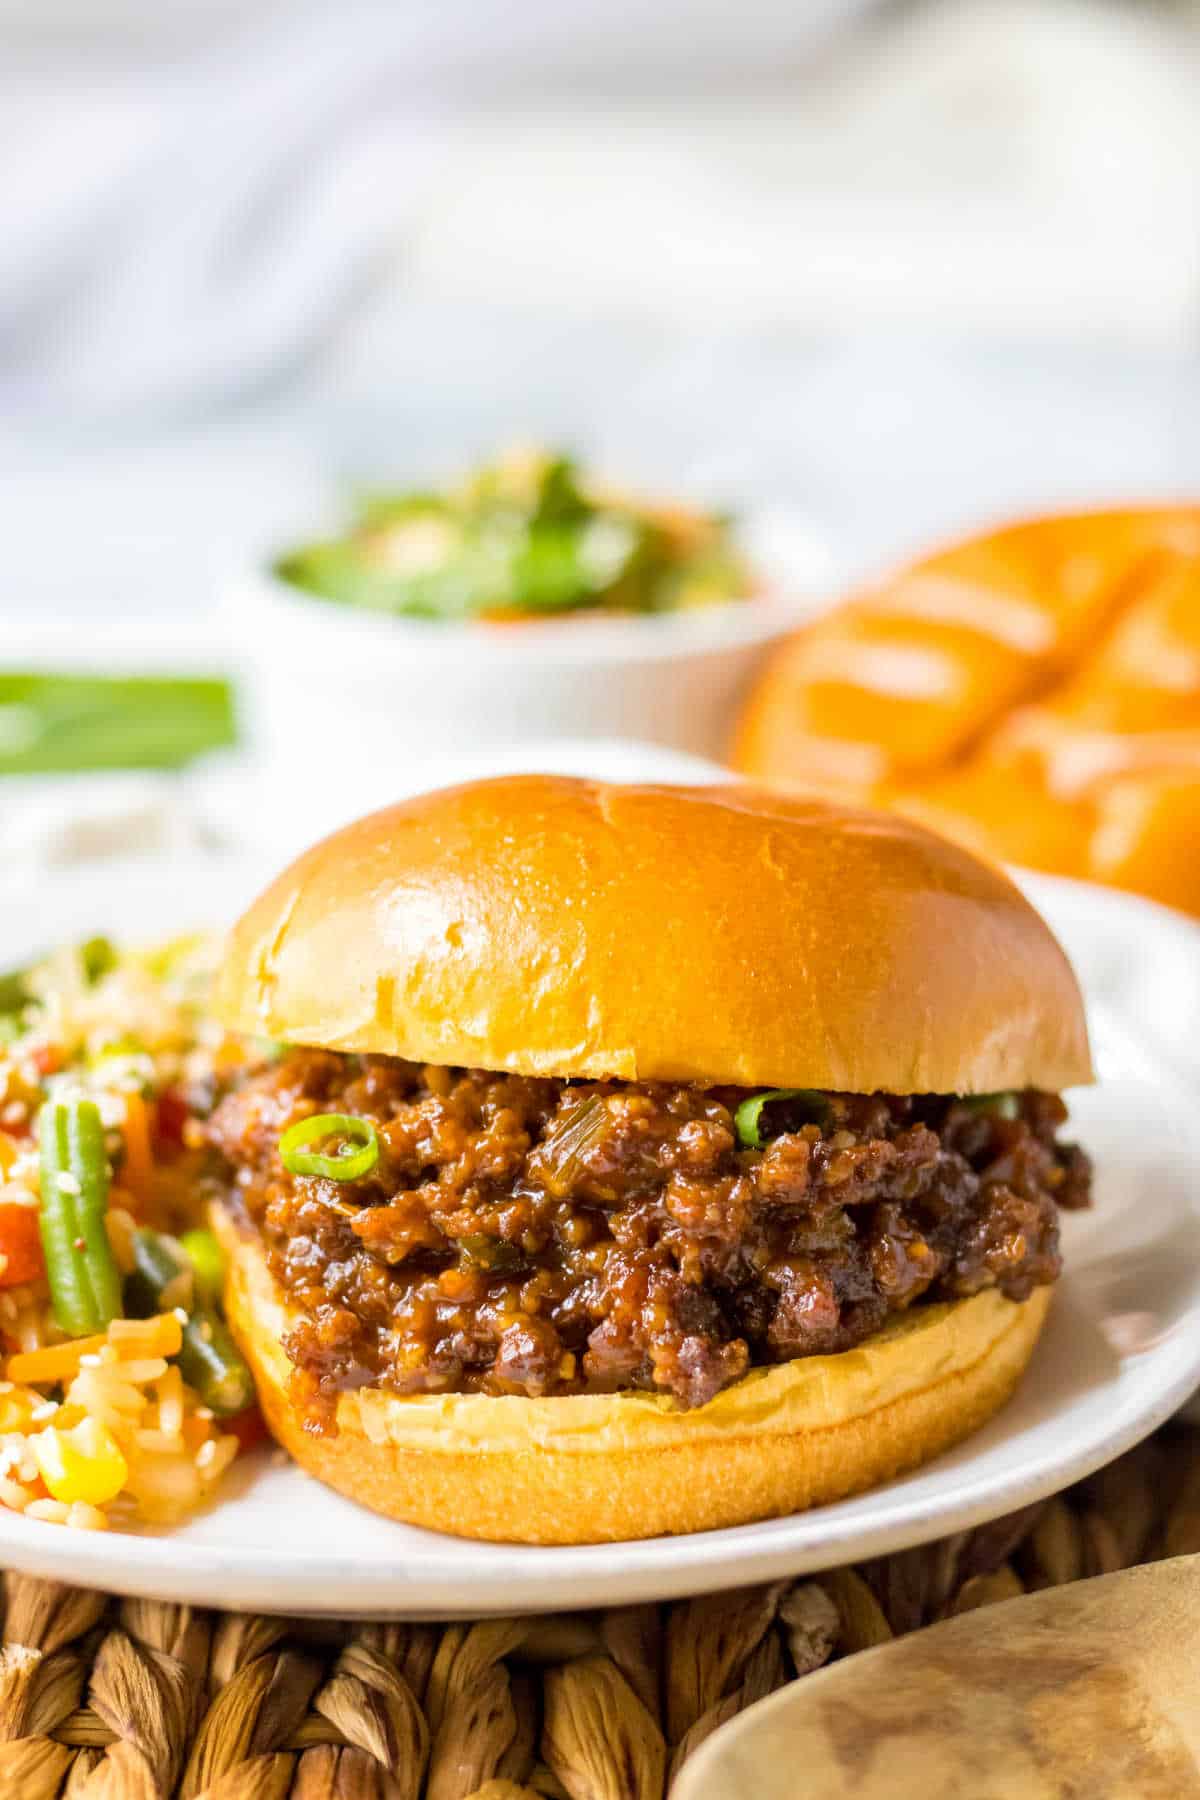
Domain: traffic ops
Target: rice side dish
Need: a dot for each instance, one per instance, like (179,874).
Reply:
(123,1399)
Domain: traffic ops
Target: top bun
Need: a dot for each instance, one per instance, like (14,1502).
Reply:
(722,935)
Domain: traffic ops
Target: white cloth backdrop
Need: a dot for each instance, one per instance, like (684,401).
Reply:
(185,218)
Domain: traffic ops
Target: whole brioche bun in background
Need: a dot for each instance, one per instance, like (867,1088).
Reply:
(553,926)
(1032,689)
(722,935)
(593,1468)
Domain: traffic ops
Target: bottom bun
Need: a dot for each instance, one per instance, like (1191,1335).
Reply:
(592,1468)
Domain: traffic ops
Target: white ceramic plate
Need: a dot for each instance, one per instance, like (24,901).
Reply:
(1121,1351)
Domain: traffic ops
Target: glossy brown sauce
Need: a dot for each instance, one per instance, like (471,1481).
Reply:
(524,1236)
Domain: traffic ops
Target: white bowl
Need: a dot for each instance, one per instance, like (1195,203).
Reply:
(317,674)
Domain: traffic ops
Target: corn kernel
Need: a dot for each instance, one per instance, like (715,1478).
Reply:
(84,1463)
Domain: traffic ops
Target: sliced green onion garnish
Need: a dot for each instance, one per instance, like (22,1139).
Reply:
(358,1155)
(1005,1106)
(805,1106)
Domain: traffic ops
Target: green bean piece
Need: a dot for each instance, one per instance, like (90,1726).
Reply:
(85,1288)
(211,1362)
(161,1277)
(208,1262)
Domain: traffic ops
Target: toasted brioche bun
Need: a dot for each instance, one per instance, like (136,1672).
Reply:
(561,927)
(592,1468)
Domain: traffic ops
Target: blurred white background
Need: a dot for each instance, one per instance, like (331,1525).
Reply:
(898,266)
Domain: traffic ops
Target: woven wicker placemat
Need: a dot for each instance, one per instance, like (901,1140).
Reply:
(108,1699)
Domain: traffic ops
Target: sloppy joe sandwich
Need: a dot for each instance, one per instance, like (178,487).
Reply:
(615,1161)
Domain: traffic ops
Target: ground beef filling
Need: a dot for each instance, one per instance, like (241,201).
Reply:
(523,1236)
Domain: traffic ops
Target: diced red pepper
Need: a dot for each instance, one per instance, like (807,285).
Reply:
(172,1115)
(249,1427)
(20,1244)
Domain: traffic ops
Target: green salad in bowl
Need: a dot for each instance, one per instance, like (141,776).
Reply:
(530,535)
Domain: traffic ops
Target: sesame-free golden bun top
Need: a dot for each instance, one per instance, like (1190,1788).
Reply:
(554,926)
